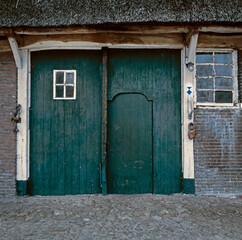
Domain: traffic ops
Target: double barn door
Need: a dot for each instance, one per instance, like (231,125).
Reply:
(132,146)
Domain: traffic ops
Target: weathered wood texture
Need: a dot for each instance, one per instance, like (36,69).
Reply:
(104,121)
(65,134)
(220,41)
(142,37)
(113,38)
(130,162)
(122,28)
(156,74)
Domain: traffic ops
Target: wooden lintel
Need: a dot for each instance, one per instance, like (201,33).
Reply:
(206,40)
(110,38)
(137,29)
(14,46)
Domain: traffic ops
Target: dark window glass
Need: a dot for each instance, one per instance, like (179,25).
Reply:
(204,83)
(223,97)
(70,78)
(59,91)
(205,96)
(59,77)
(224,83)
(204,70)
(69,91)
(223,70)
(204,58)
(223,58)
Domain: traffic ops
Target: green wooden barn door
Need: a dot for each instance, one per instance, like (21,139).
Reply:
(65,144)
(130,144)
(156,75)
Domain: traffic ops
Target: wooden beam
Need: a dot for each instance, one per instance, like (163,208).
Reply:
(169,39)
(17,57)
(206,40)
(190,58)
(137,29)
(104,122)
(83,30)
(110,38)
(220,29)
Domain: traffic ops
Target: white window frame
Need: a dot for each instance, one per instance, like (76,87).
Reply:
(64,84)
(235,101)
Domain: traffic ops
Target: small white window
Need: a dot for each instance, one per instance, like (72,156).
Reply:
(64,84)
(216,77)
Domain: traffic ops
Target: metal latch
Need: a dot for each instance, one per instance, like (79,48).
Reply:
(16,117)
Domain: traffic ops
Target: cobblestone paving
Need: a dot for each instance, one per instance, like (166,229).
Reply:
(140,217)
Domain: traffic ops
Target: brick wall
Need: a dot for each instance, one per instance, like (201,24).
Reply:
(218,151)
(218,148)
(8,93)
(240,74)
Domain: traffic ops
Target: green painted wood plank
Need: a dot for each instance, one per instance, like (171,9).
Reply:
(65,134)
(103,166)
(155,73)
(72,159)
(46,137)
(130,129)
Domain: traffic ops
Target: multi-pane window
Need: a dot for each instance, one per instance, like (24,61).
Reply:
(64,84)
(215,77)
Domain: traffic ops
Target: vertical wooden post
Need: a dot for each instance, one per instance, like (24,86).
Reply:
(104,122)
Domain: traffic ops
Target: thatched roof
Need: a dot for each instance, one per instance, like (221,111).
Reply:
(56,13)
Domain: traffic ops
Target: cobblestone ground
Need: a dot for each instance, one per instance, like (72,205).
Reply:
(121,217)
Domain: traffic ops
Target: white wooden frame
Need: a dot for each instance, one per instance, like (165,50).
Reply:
(187,80)
(23,127)
(235,78)
(24,86)
(64,85)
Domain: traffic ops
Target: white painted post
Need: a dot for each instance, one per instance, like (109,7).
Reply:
(16,53)
(188,107)
(23,129)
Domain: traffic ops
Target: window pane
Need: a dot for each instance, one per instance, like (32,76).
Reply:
(69,91)
(59,91)
(205,96)
(224,83)
(204,70)
(223,70)
(204,83)
(70,78)
(59,77)
(204,58)
(223,58)
(223,97)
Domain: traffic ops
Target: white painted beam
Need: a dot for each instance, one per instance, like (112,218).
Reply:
(23,127)
(57,45)
(191,54)
(188,105)
(17,57)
